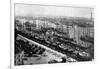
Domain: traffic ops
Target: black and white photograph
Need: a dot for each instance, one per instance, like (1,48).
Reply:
(48,34)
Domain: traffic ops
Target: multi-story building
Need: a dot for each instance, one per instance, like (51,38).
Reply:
(71,31)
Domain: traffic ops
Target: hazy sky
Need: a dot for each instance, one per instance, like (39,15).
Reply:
(24,10)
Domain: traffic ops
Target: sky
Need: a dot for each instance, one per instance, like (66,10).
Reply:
(42,10)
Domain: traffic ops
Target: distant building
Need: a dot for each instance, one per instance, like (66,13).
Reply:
(71,32)
(76,33)
(39,24)
(45,24)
